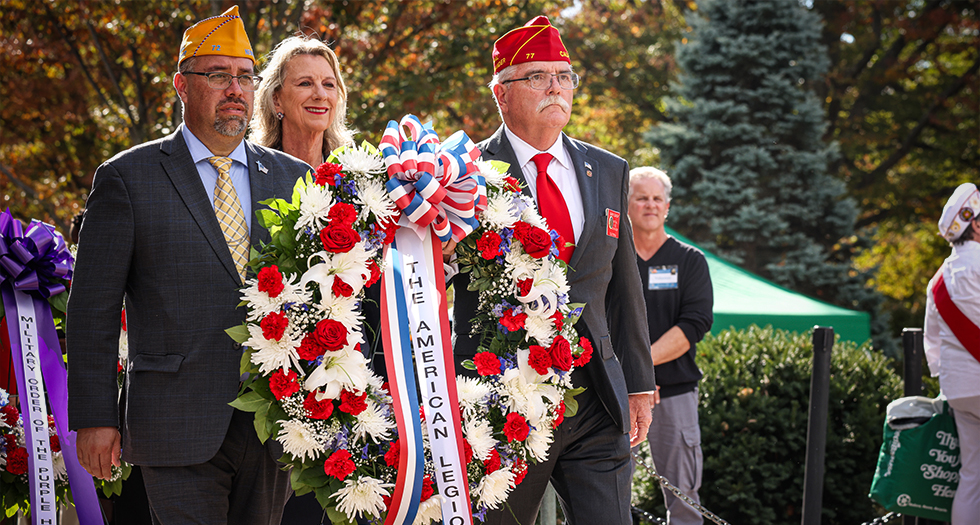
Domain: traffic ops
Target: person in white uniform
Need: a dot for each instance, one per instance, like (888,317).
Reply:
(952,339)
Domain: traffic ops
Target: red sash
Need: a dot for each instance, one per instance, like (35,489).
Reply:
(964,329)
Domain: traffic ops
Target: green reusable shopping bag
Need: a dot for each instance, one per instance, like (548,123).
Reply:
(919,463)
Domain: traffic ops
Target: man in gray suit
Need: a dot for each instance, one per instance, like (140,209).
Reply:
(166,228)
(581,190)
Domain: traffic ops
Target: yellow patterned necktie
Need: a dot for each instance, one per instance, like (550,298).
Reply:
(228,210)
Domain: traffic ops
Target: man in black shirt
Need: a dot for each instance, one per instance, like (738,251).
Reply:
(677,290)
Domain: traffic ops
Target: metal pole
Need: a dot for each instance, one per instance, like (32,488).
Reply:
(816,436)
(912,343)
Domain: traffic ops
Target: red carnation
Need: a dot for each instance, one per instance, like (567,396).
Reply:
(10,415)
(513,322)
(391,457)
(559,320)
(586,355)
(390,227)
(352,403)
(274,325)
(342,213)
(512,184)
(55,443)
(270,281)
(375,273)
(17,461)
(330,334)
(492,464)
(309,349)
(467,452)
(489,245)
(339,238)
(520,470)
(516,427)
(341,288)
(559,414)
(339,464)
(325,173)
(426,488)
(524,287)
(10,441)
(540,359)
(283,384)
(487,364)
(561,353)
(317,409)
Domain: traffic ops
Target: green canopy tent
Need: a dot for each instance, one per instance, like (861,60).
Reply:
(743,298)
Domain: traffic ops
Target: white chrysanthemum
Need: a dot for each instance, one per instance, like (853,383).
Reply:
(372,423)
(123,345)
(356,159)
(430,510)
(58,465)
(261,305)
(532,217)
(339,370)
(493,488)
(479,434)
(519,264)
(539,440)
(491,174)
(501,212)
(525,391)
(315,202)
(362,496)
(541,329)
(373,198)
(472,393)
(344,310)
(271,355)
(299,440)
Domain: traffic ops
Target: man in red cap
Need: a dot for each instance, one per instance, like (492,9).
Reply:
(581,191)
(168,226)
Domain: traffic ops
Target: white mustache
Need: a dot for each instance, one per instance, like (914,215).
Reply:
(554,99)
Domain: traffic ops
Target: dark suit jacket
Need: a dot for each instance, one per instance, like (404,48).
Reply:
(150,234)
(603,275)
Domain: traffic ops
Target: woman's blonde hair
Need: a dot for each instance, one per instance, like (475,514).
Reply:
(266,128)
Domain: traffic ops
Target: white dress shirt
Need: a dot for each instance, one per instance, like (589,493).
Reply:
(957,369)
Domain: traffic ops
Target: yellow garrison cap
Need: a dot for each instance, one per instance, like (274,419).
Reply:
(219,35)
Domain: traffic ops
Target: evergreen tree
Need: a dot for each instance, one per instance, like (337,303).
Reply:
(745,150)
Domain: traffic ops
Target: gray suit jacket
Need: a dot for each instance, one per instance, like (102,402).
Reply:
(150,234)
(603,275)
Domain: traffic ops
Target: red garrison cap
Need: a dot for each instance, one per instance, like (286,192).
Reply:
(536,41)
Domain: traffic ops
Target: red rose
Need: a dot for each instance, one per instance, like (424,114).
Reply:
(487,364)
(339,465)
(540,359)
(492,463)
(426,488)
(330,334)
(467,452)
(537,242)
(559,320)
(512,184)
(520,470)
(270,281)
(561,353)
(340,288)
(55,443)
(10,415)
(326,173)
(342,213)
(339,238)
(513,322)
(586,355)
(274,325)
(352,403)
(516,427)
(309,349)
(119,367)
(559,414)
(317,409)
(391,457)
(524,287)
(283,384)
(17,461)
(489,245)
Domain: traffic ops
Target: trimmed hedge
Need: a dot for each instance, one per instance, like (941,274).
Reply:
(753,413)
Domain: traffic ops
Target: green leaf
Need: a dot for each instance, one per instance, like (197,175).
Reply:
(268,218)
(251,402)
(469,364)
(336,517)
(58,302)
(238,333)
(262,424)
(571,404)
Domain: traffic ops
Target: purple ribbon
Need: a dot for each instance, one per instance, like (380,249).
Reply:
(35,263)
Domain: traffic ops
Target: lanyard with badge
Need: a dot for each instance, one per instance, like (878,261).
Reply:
(662,277)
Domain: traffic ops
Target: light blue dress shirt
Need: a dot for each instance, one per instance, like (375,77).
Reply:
(209,174)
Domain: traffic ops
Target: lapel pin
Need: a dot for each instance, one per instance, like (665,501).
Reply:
(588,169)
(262,168)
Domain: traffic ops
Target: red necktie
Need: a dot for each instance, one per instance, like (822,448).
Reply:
(553,208)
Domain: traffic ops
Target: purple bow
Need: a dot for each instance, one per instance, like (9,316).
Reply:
(35,261)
